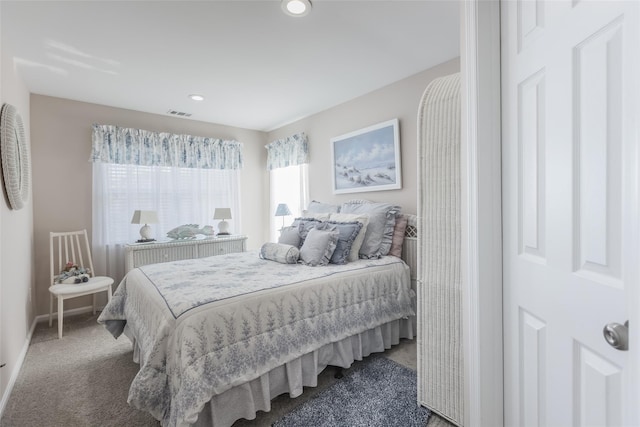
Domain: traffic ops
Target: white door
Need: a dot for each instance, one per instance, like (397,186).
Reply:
(570,104)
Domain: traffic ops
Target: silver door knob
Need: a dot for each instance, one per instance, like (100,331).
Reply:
(617,335)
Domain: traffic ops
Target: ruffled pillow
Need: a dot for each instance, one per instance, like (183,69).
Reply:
(279,252)
(318,246)
(382,220)
(357,243)
(321,216)
(348,231)
(304,225)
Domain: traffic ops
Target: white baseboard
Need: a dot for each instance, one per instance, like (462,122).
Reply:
(16,370)
(73,312)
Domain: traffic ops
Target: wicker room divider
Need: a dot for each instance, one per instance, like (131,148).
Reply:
(440,370)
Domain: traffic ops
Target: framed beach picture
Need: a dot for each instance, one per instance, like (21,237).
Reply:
(367,159)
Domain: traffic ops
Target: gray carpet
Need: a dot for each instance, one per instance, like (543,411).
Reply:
(83,380)
(376,392)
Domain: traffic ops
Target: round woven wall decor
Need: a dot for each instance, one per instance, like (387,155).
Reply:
(16,161)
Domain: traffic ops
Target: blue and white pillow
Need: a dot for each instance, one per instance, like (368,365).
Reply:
(279,252)
(357,243)
(348,231)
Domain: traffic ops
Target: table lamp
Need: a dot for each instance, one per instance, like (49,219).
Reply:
(146,218)
(223,226)
(282,210)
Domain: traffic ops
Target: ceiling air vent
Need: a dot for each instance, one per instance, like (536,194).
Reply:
(178,113)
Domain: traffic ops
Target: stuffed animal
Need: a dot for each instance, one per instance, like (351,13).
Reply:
(72,274)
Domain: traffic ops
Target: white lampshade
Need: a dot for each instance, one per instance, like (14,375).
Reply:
(223,214)
(145,217)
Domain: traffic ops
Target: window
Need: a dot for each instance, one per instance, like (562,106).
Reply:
(289,185)
(182,178)
(287,161)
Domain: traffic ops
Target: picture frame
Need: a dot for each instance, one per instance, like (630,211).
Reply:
(367,159)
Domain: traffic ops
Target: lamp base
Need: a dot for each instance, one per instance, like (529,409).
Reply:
(223,234)
(145,240)
(223,228)
(145,233)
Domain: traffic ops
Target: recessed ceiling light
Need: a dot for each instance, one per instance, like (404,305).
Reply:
(296,7)
(196,97)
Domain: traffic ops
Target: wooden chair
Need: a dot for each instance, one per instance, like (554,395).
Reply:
(72,247)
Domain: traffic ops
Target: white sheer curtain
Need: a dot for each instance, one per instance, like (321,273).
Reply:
(289,185)
(180,195)
(287,161)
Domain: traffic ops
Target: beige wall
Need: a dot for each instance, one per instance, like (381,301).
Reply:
(398,100)
(16,245)
(61,139)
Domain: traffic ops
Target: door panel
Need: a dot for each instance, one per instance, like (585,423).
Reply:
(570,160)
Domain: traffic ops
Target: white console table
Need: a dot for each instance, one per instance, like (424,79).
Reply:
(139,254)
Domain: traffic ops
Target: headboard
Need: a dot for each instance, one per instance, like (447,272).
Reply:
(410,248)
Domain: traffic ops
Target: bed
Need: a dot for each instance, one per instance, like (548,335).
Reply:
(210,355)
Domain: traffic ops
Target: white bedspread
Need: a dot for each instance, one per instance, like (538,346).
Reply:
(206,325)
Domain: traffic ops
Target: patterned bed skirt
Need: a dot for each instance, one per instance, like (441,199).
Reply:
(245,400)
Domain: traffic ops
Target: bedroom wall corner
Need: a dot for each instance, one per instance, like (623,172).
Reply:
(397,100)
(17,296)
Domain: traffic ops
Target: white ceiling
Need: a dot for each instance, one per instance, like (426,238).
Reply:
(257,67)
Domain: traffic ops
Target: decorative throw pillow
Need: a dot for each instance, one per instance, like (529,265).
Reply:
(382,220)
(357,243)
(304,225)
(318,247)
(290,236)
(348,231)
(319,207)
(278,252)
(398,236)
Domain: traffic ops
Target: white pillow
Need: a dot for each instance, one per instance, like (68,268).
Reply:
(319,207)
(321,216)
(357,243)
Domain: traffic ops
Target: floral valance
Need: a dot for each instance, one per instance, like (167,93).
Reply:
(290,151)
(113,144)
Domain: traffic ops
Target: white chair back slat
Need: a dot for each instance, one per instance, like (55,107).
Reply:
(89,257)
(79,261)
(73,246)
(72,249)
(60,254)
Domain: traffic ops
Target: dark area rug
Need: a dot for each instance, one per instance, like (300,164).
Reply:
(375,392)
